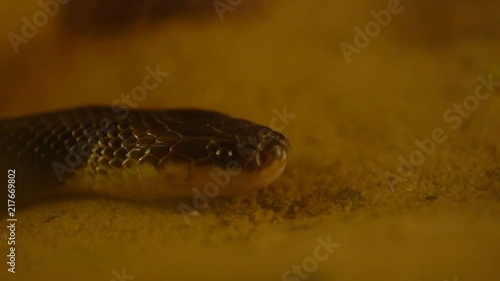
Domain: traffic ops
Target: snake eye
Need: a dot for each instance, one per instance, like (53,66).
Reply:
(224,154)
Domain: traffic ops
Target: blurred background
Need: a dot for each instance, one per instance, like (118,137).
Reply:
(354,115)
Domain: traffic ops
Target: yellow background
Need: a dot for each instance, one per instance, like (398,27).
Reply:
(352,122)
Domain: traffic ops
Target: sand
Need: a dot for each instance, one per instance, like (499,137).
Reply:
(351,125)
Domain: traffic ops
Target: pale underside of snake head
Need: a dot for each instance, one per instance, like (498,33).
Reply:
(149,154)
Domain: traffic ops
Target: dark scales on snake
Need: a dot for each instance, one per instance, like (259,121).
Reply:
(140,154)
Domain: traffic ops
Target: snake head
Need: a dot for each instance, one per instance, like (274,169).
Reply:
(254,156)
(251,155)
(197,148)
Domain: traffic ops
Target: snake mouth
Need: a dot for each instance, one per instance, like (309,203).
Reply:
(271,163)
(278,152)
(257,180)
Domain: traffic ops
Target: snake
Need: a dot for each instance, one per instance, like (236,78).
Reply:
(140,154)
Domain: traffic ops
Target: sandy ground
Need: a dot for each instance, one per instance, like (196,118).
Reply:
(352,124)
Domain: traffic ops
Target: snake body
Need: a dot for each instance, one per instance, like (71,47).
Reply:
(141,154)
